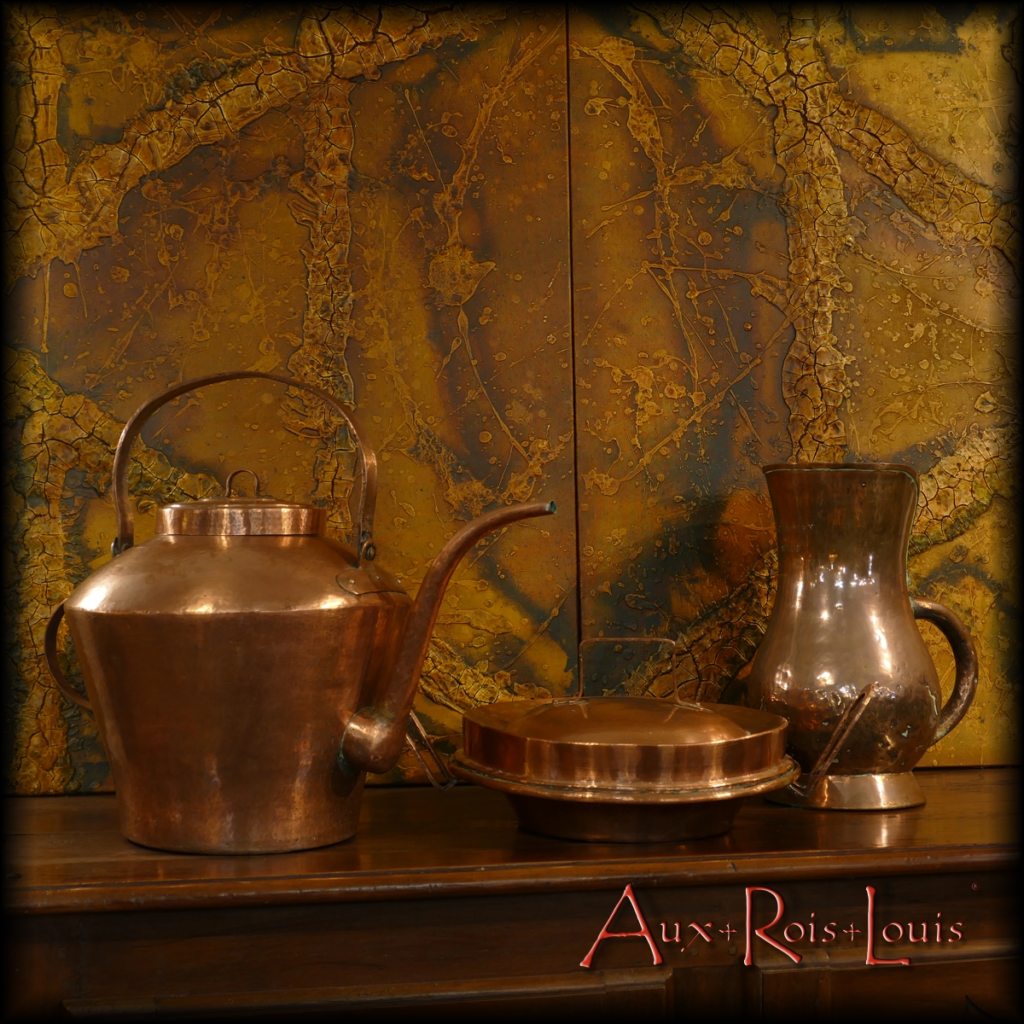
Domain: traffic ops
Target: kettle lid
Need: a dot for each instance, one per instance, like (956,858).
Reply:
(240,517)
(231,515)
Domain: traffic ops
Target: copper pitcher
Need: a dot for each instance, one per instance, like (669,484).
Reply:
(842,658)
(245,670)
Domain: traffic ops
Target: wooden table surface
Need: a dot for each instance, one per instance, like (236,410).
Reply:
(66,854)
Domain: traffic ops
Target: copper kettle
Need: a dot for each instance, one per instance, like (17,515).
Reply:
(246,671)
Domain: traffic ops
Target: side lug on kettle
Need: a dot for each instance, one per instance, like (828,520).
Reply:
(245,670)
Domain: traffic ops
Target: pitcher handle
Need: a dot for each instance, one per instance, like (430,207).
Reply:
(965,658)
(50,646)
(363,540)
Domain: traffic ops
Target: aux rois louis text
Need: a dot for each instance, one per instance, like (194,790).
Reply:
(756,925)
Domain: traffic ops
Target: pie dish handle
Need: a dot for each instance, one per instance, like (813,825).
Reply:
(580,691)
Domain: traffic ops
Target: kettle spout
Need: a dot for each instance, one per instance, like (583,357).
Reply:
(375,735)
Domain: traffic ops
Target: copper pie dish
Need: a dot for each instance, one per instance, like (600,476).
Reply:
(624,769)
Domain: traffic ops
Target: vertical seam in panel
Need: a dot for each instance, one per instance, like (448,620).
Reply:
(572,359)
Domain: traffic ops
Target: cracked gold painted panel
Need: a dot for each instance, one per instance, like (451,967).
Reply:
(375,201)
(793,238)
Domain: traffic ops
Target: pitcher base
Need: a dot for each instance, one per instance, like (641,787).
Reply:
(880,792)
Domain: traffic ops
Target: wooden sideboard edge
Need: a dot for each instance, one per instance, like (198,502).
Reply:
(356,997)
(495,881)
(413,994)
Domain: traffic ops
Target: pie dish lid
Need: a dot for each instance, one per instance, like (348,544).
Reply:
(624,747)
(624,720)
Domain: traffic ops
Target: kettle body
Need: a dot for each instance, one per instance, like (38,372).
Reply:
(842,658)
(227,657)
(223,671)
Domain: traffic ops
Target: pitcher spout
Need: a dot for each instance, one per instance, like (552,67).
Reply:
(375,735)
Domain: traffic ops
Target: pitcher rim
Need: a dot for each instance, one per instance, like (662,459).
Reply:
(856,467)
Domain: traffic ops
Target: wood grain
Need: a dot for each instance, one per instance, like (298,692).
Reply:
(68,854)
(441,906)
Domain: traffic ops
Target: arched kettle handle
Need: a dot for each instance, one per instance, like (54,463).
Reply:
(50,646)
(965,657)
(363,541)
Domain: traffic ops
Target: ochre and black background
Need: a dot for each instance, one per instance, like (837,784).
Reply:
(617,260)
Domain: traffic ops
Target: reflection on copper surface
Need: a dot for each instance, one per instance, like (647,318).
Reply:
(246,671)
(624,768)
(833,520)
